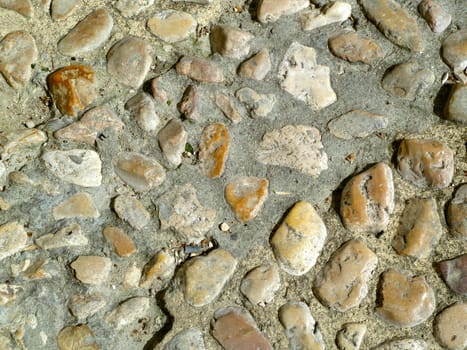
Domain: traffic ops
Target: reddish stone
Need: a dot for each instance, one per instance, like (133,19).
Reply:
(454,273)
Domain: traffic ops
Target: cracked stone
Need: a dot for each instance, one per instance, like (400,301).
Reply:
(189,104)
(23,7)
(316,91)
(297,147)
(354,48)
(79,205)
(457,213)
(404,300)
(172,26)
(454,273)
(229,41)
(420,229)
(334,12)
(121,242)
(188,339)
(260,284)
(271,10)
(172,139)
(343,282)
(62,9)
(85,305)
(128,312)
(451,327)
(425,163)
(200,69)
(130,210)
(130,8)
(258,105)
(159,270)
(436,16)
(142,107)
(301,329)
(18,52)
(93,270)
(13,239)
(214,150)
(77,337)
(68,236)
(357,124)
(368,200)
(299,239)
(454,52)
(350,337)
(227,106)
(456,107)
(88,35)
(402,344)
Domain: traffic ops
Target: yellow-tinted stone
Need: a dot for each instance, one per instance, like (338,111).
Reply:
(214,150)
(122,243)
(172,26)
(160,268)
(76,338)
(78,205)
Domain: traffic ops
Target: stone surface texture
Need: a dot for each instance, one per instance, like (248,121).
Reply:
(188,339)
(172,26)
(256,67)
(142,107)
(456,106)
(334,12)
(214,150)
(357,124)
(457,213)
(271,10)
(13,238)
(435,15)
(79,205)
(200,69)
(454,273)
(260,284)
(451,327)
(92,269)
(229,41)
(130,210)
(350,337)
(454,52)
(354,48)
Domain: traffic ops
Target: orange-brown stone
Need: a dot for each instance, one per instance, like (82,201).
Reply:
(214,150)
(122,243)
(72,88)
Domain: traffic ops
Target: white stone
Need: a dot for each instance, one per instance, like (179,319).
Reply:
(68,236)
(130,8)
(128,312)
(172,26)
(13,239)
(92,269)
(333,12)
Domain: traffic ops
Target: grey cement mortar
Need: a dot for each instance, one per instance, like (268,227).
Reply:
(357,86)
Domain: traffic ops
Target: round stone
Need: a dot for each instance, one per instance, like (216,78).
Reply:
(451,327)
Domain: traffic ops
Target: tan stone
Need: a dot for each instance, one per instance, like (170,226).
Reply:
(76,338)
(404,301)
(457,213)
(425,163)
(436,16)
(23,7)
(188,106)
(227,106)
(128,312)
(258,105)
(92,269)
(122,243)
(454,52)
(131,277)
(333,12)
(131,210)
(420,229)
(451,327)
(36,271)
(188,339)
(260,284)
(200,69)
(130,8)
(368,200)
(62,9)
(350,337)
(403,344)
(229,41)
(172,139)
(256,67)
(85,305)
(158,270)
(343,283)
(246,196)
(357,124)
(456,106)
(214,150)
(299,239)
(13,239)
(68,236)
(271,10)
(79,205)
(353,48)
(172,26)
(143,109)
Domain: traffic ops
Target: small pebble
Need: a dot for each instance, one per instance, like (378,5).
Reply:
(92,269)
(297,147)
(404,300)
(299,239)
(158,270)
(271,10)
(13,239)
(189,104)
(68,236)
(454,273)
(121,242)
(23,7)
(200,69)
(334,12)
(451,327)
(157,91)
(214,149)
(457,213)
(260,284)
(357,124)
(353,48)
(76,337)
(130,210)
(229,41)
(350,337)
(454,52)
(128,312)
(79,205)
(301,329)
(256,67)
(172,26)
(83,306)
(130,8)
(437,17)
(402,344)
(62,9)
(258,105)
(188,339)
(172,139)
(227,106)
(425,163)
(456,106)
(142,107)
(224,227)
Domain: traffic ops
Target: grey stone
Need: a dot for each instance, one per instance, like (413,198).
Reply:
(227,106)
(260,284)
(83,306)
(350,337)
(258,105)
(457,213)
(172,140)
(8,294)
(256,67)
(229,41)
(13,239)
(68,236)
(454,52)
(357,124)
(454,273)
(333,12)
(402,344)
(130,210)
(188,339)
(142,107)
(128,312)
(130,8)
(62,9)
(436,16)
(456,107)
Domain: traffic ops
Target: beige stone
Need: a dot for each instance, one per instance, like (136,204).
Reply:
(131,277)
(68,236)
(62,9)
(227,106)
(456,106)
(83,306)
(158,270)
(436,16)
(79,205)
(260,284)
(189,104)
(172,26)
(403,344)
(353,48)
(350,337)
(23,7)
(256,67)
(272,10)
(92,269)
(13,239)
(333,12)
(200,69)
(9,293)
(130,8)
(143,109)
(258,105)
(454,52)
(214,150)
(188,339)
(132,211)
(128,312)
(357,124)
(76,338)
(172,139)
(451,327)
(121,242)
(229,41)
(457,213)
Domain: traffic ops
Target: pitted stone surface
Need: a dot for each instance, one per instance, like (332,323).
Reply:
(67,236)
(457,213)
(258,105)
(454,273)
(260,284)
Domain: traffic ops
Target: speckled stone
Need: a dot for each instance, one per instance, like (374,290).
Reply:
(353,48)
(402,344)
(333,12)
(130,8)
(260,284)
(204,277)
(454,52)
(425,163)
(258,105)
(457,213)
(158,270)
(229,41)
(228,107)
(188,339)
(300,327)
(214,149)
(172,26)
(13,239)
(62,9)
(367,200)
(256,67)
(454,273)
(128,312)
(18,52)
(272,10)
(343,282)
(456,106)
(200,69)
(451,327)
(357,124)
(121,242)
(83,306)
(404,301)
(299,239)
(77,337)
(172,139)
(23,7)
(93,270)
(79,205)
(234,328)
(130,210)
(436,16)
(350,337)
(68,236)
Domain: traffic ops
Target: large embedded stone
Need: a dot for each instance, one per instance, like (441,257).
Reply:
(23,7)
(188,339)
(454,51)
(128,312)
(122,243)
(227,106)
(13,239)
(158,270)
(456,106)
(142,107)
(353,48)
(85,305)
(436,16)
(457,213)
(260,284)
(62,9)
(357,124)
(258,105)
(350,337)
(229,41)
(130,8)
(172,26)
(77,338)
(200,69)
(271,10)
(454,273)
(214,149)
(93,270)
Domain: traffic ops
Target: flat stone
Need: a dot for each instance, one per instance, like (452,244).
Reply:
(204,276)
(93,270)
(76,338)
(200,69)
(92,123)
(189,104)
(229,41)
(72,88)
(180,209)
(368,200)
(142,107)
(343,282)
(214,149)
(172,26)
(425,163)
(172,140)
(260,284)
(407,80)
(316,91)
(454,273)
(419,230)
(456,107)
(13,239)
(454,52)
(457,213)
(272,10)
(258,105)
(23,7)
(68,236)
(140,172)
(129,60)
(128,312)
(357,124)
(436,16)
(297,147)
(451,327)
(402,344)
(130,210)
(301,329)
(394,22)
(8,293)
(88,35)
(256,67)
(158,270)
(299,239)
(350,337)
(130,8)
(83,306)
(18,51)
(188,339)
(234,328)
(76,166)
(157,90)
(79,205)
(404,300)
(121,242)
(354,48)
(62,9)
(227,106)
(246,196)
(333,12)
